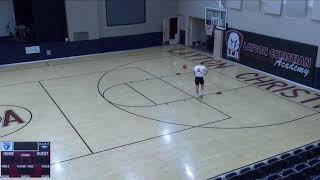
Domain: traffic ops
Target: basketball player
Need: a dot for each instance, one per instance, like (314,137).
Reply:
(199,71)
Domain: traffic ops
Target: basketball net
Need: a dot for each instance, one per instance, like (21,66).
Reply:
(210,28)
(213,24)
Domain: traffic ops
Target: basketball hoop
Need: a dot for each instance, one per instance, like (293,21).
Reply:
(213,24)
(216,17)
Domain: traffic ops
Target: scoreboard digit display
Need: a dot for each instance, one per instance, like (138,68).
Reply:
(25,159)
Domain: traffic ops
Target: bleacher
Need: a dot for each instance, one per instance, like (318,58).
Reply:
(299,164)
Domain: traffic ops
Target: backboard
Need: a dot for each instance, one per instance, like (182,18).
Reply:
(216,17)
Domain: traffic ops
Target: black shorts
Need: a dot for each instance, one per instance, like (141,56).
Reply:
(199,80)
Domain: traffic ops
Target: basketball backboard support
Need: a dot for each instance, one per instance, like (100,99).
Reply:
(216,17)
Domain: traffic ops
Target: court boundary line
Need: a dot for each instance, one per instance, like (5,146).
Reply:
(64,77)
(65,117)
(84,74)
(21,69)
(67,58)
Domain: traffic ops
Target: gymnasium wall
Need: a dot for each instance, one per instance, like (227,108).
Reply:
(295,20)
(156,10)
(286,19)
(290,19)
(82,16)
(90,16)
(6,17)
(194,8)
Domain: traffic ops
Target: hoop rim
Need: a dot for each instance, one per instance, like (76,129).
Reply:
(221,17)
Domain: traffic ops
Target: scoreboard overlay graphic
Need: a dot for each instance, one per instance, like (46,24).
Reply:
(25,159)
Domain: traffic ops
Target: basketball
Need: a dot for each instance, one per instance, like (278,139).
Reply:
(184,66)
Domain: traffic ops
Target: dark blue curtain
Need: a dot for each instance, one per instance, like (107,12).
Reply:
(49,20)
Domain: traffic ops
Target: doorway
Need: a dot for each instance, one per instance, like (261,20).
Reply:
(171,30)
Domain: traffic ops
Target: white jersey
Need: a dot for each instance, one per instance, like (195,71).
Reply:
(199,70)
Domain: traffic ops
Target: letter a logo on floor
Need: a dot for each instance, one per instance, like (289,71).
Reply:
(13,118)
(234,42)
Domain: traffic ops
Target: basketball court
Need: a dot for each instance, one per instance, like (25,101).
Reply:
(133,114)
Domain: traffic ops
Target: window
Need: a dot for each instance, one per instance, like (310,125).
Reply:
(125,12)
